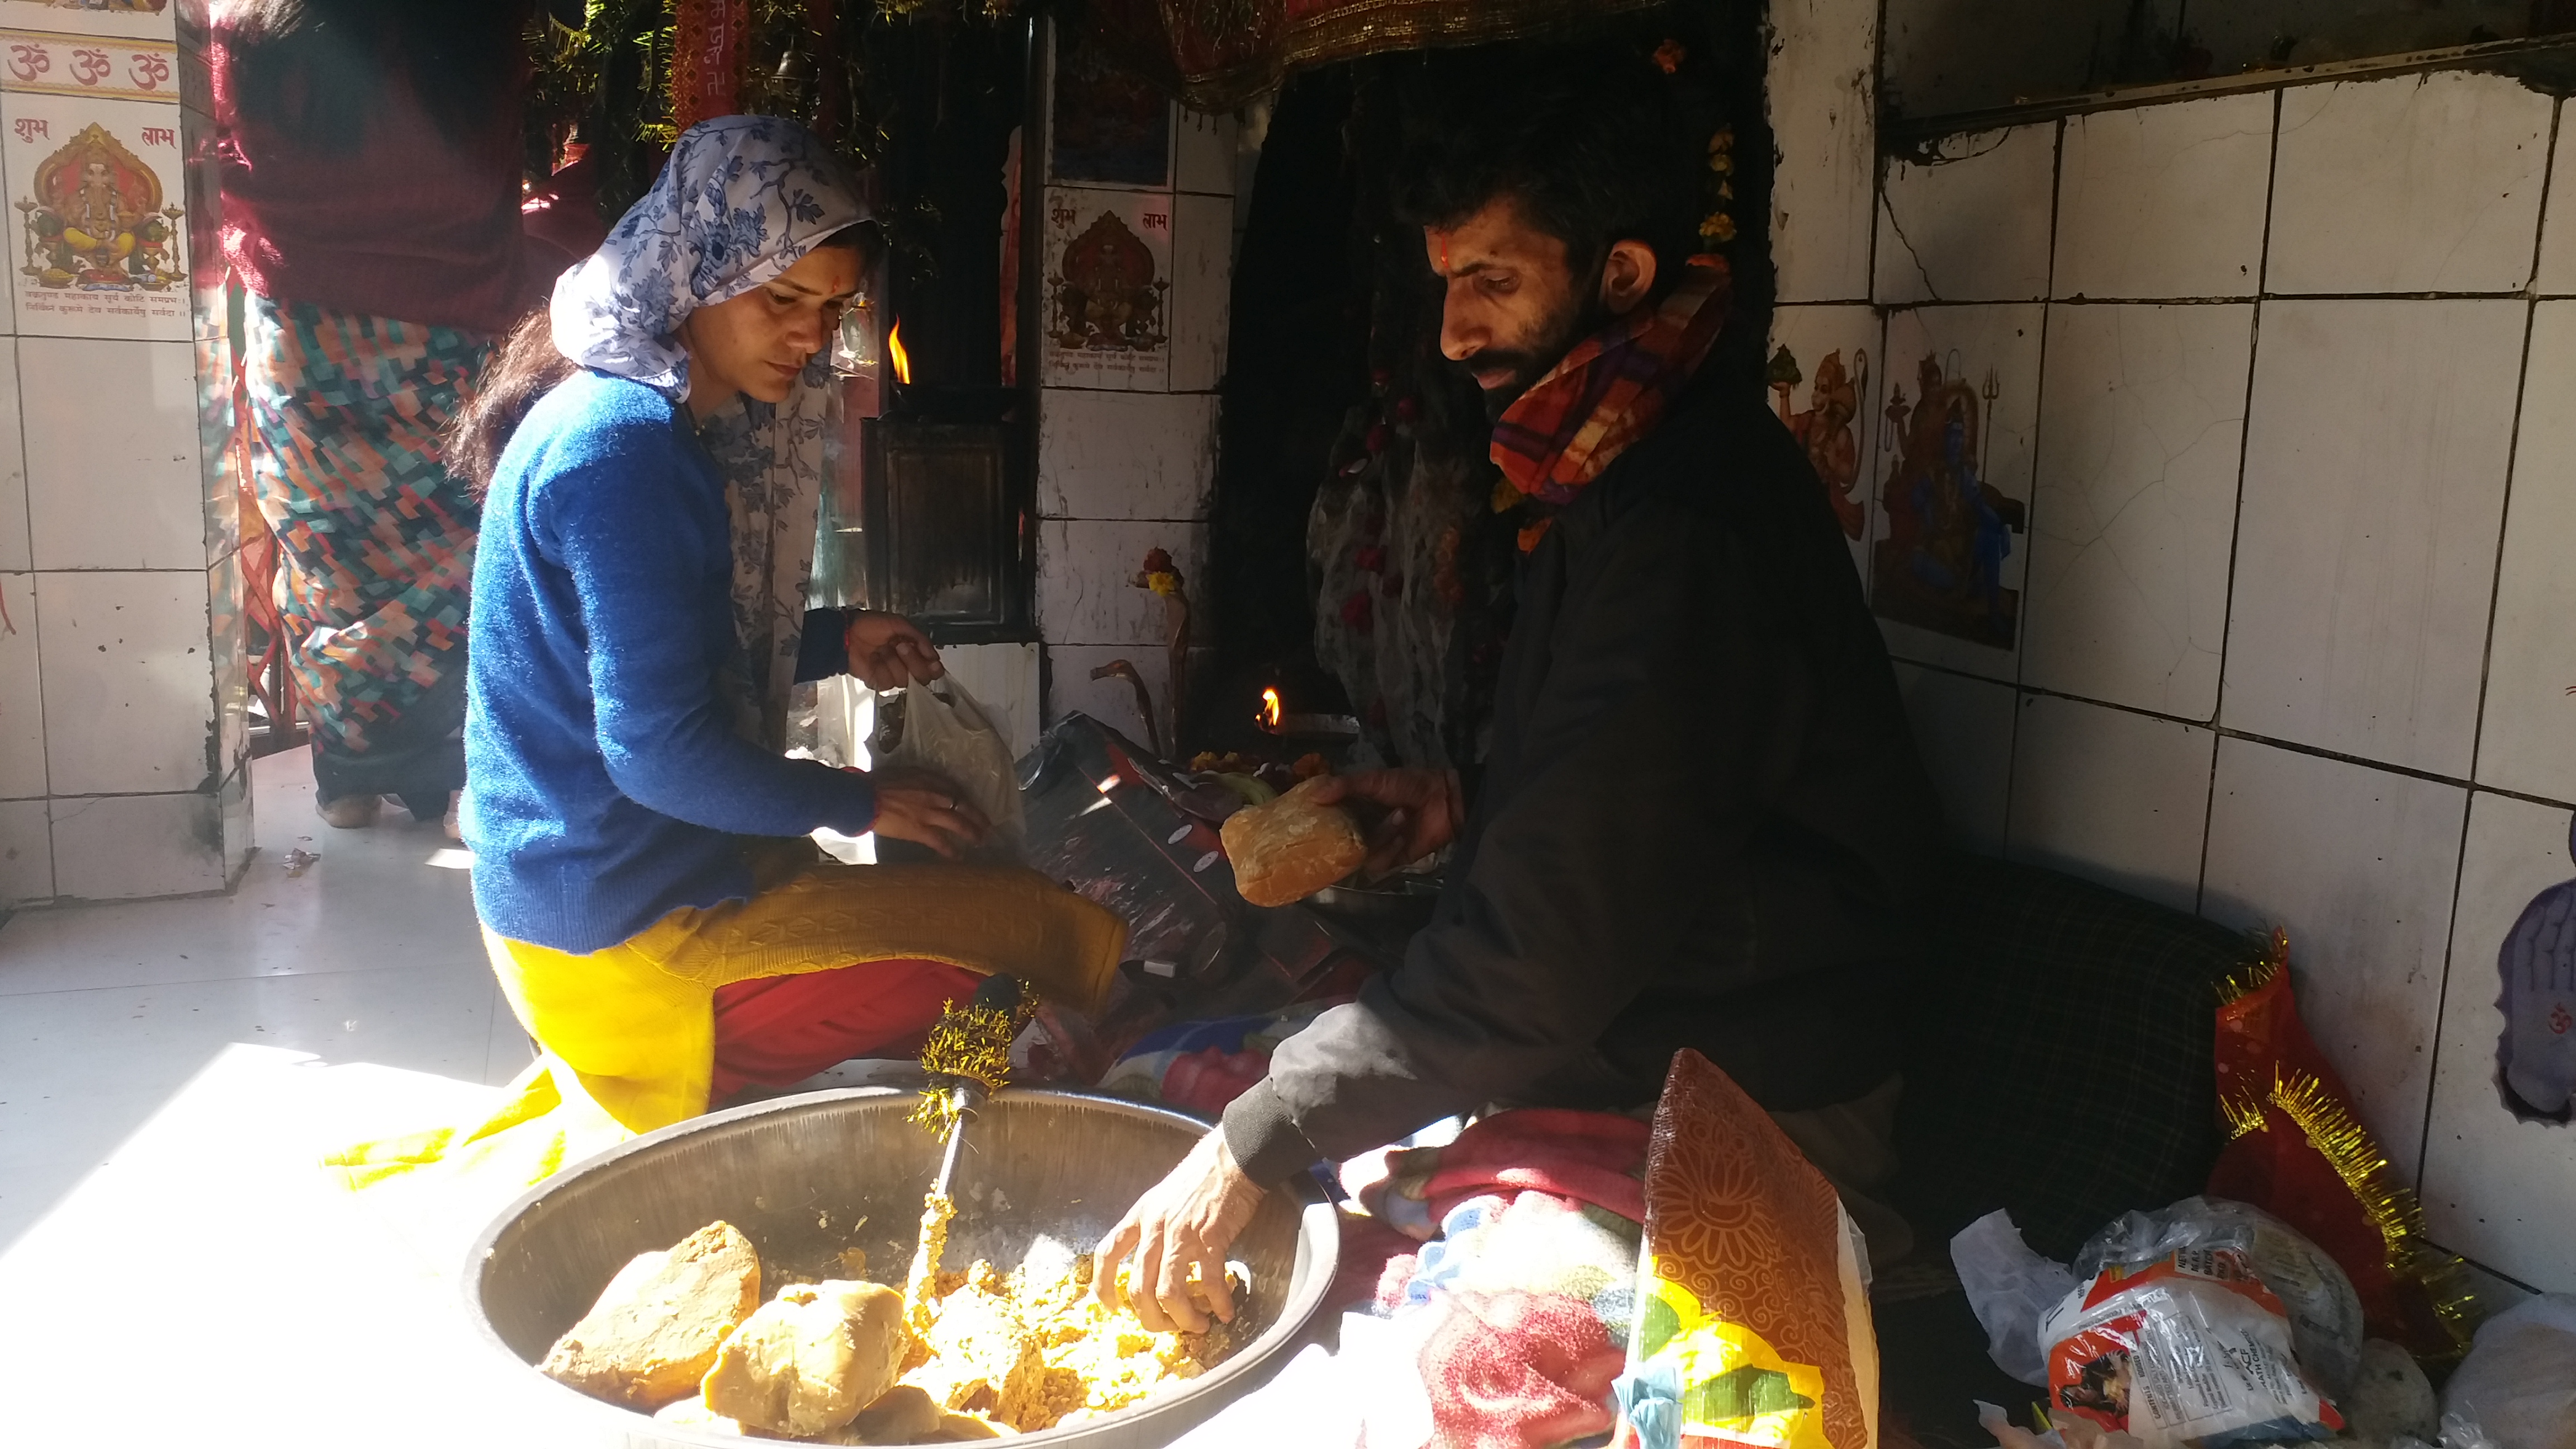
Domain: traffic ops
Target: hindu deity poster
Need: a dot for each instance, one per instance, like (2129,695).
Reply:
(1823,375)
(99,249)
(1106,303)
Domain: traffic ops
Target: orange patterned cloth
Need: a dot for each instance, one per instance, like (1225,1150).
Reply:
(1751,1327)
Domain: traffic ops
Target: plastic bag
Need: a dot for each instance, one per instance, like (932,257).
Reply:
(2012,1289)
(2518,1383)
(939,727)
(2190,1351)
(2324,1311)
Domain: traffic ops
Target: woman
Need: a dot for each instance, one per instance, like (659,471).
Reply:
(614,741)
(369,152)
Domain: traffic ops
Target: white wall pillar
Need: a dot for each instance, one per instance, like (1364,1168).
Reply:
(123,730)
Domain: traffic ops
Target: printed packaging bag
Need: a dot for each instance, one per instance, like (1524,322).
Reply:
(1752,1326)
(2189,1351)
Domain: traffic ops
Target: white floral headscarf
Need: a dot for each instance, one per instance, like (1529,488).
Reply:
(742,199)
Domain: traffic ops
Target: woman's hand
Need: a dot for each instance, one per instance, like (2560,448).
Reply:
(919,806)
(1426,810)
(1184,1222)
(888,652)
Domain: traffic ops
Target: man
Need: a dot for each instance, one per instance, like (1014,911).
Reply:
(1702,817)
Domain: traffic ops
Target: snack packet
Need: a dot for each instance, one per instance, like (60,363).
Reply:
(2187,1351)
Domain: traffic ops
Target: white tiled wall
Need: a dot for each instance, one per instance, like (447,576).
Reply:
(2297,439)
(1823,53)
(1127,452)
(1972,227)
(122,686)
(2165,201)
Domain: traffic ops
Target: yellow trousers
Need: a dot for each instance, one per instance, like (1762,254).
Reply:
(627,1034)
(636,1022)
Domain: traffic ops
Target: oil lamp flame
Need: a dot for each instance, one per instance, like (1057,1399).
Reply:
(1271,713)
(902,358)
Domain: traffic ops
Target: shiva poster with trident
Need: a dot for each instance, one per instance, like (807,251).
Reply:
(1941,564)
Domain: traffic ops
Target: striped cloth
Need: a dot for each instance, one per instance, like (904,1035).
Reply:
(346,409)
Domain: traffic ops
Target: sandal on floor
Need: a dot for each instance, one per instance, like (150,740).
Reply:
(349,812)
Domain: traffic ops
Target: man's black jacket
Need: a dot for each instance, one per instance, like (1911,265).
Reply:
(1702,823)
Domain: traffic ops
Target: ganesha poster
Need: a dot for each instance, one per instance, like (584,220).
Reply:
(1105,308)
(98,212)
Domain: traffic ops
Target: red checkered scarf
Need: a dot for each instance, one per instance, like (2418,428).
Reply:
(1608,392)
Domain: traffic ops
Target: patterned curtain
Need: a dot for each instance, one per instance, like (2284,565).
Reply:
(709,40)
(1217,54)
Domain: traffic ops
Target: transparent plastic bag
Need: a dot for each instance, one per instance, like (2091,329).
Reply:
(939,727)
(2190,1351)
(2518,1383)
(2013,1290)
(2324,1311)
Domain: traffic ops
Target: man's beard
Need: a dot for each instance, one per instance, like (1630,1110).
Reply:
(1556,337)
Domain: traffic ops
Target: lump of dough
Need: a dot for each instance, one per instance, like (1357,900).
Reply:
(1291,848)
(811,1358)
(655,1329)
(960,1428)
(902,1415)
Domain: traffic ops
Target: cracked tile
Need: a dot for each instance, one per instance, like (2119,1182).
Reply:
(2531,659)
(2496,1188)
(2134,512)
(2165,201)
(131,847)
(2114,797)
(2359,866)
(2375,460)
(2418,184)
(1973,226)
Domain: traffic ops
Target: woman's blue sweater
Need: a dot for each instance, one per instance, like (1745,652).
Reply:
(604,780)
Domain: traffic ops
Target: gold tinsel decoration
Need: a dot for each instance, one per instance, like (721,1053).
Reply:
(2272,958)
(972,1043)
(2390,1206)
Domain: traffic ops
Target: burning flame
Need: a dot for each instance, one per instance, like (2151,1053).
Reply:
(902,359)
(1270,711)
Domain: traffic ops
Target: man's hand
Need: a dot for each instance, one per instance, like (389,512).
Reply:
(1426,809)
(1185,1221)
(919,806)
(888,652)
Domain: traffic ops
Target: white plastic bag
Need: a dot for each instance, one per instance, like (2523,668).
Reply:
(2518,1383)
(939,727)
(2012,1289)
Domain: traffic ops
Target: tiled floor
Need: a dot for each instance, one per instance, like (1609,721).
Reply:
(168,1074)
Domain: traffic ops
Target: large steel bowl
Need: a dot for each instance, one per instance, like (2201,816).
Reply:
(806,1177)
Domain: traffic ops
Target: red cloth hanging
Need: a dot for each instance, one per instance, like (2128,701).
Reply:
(710,43)
(2301,1154)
